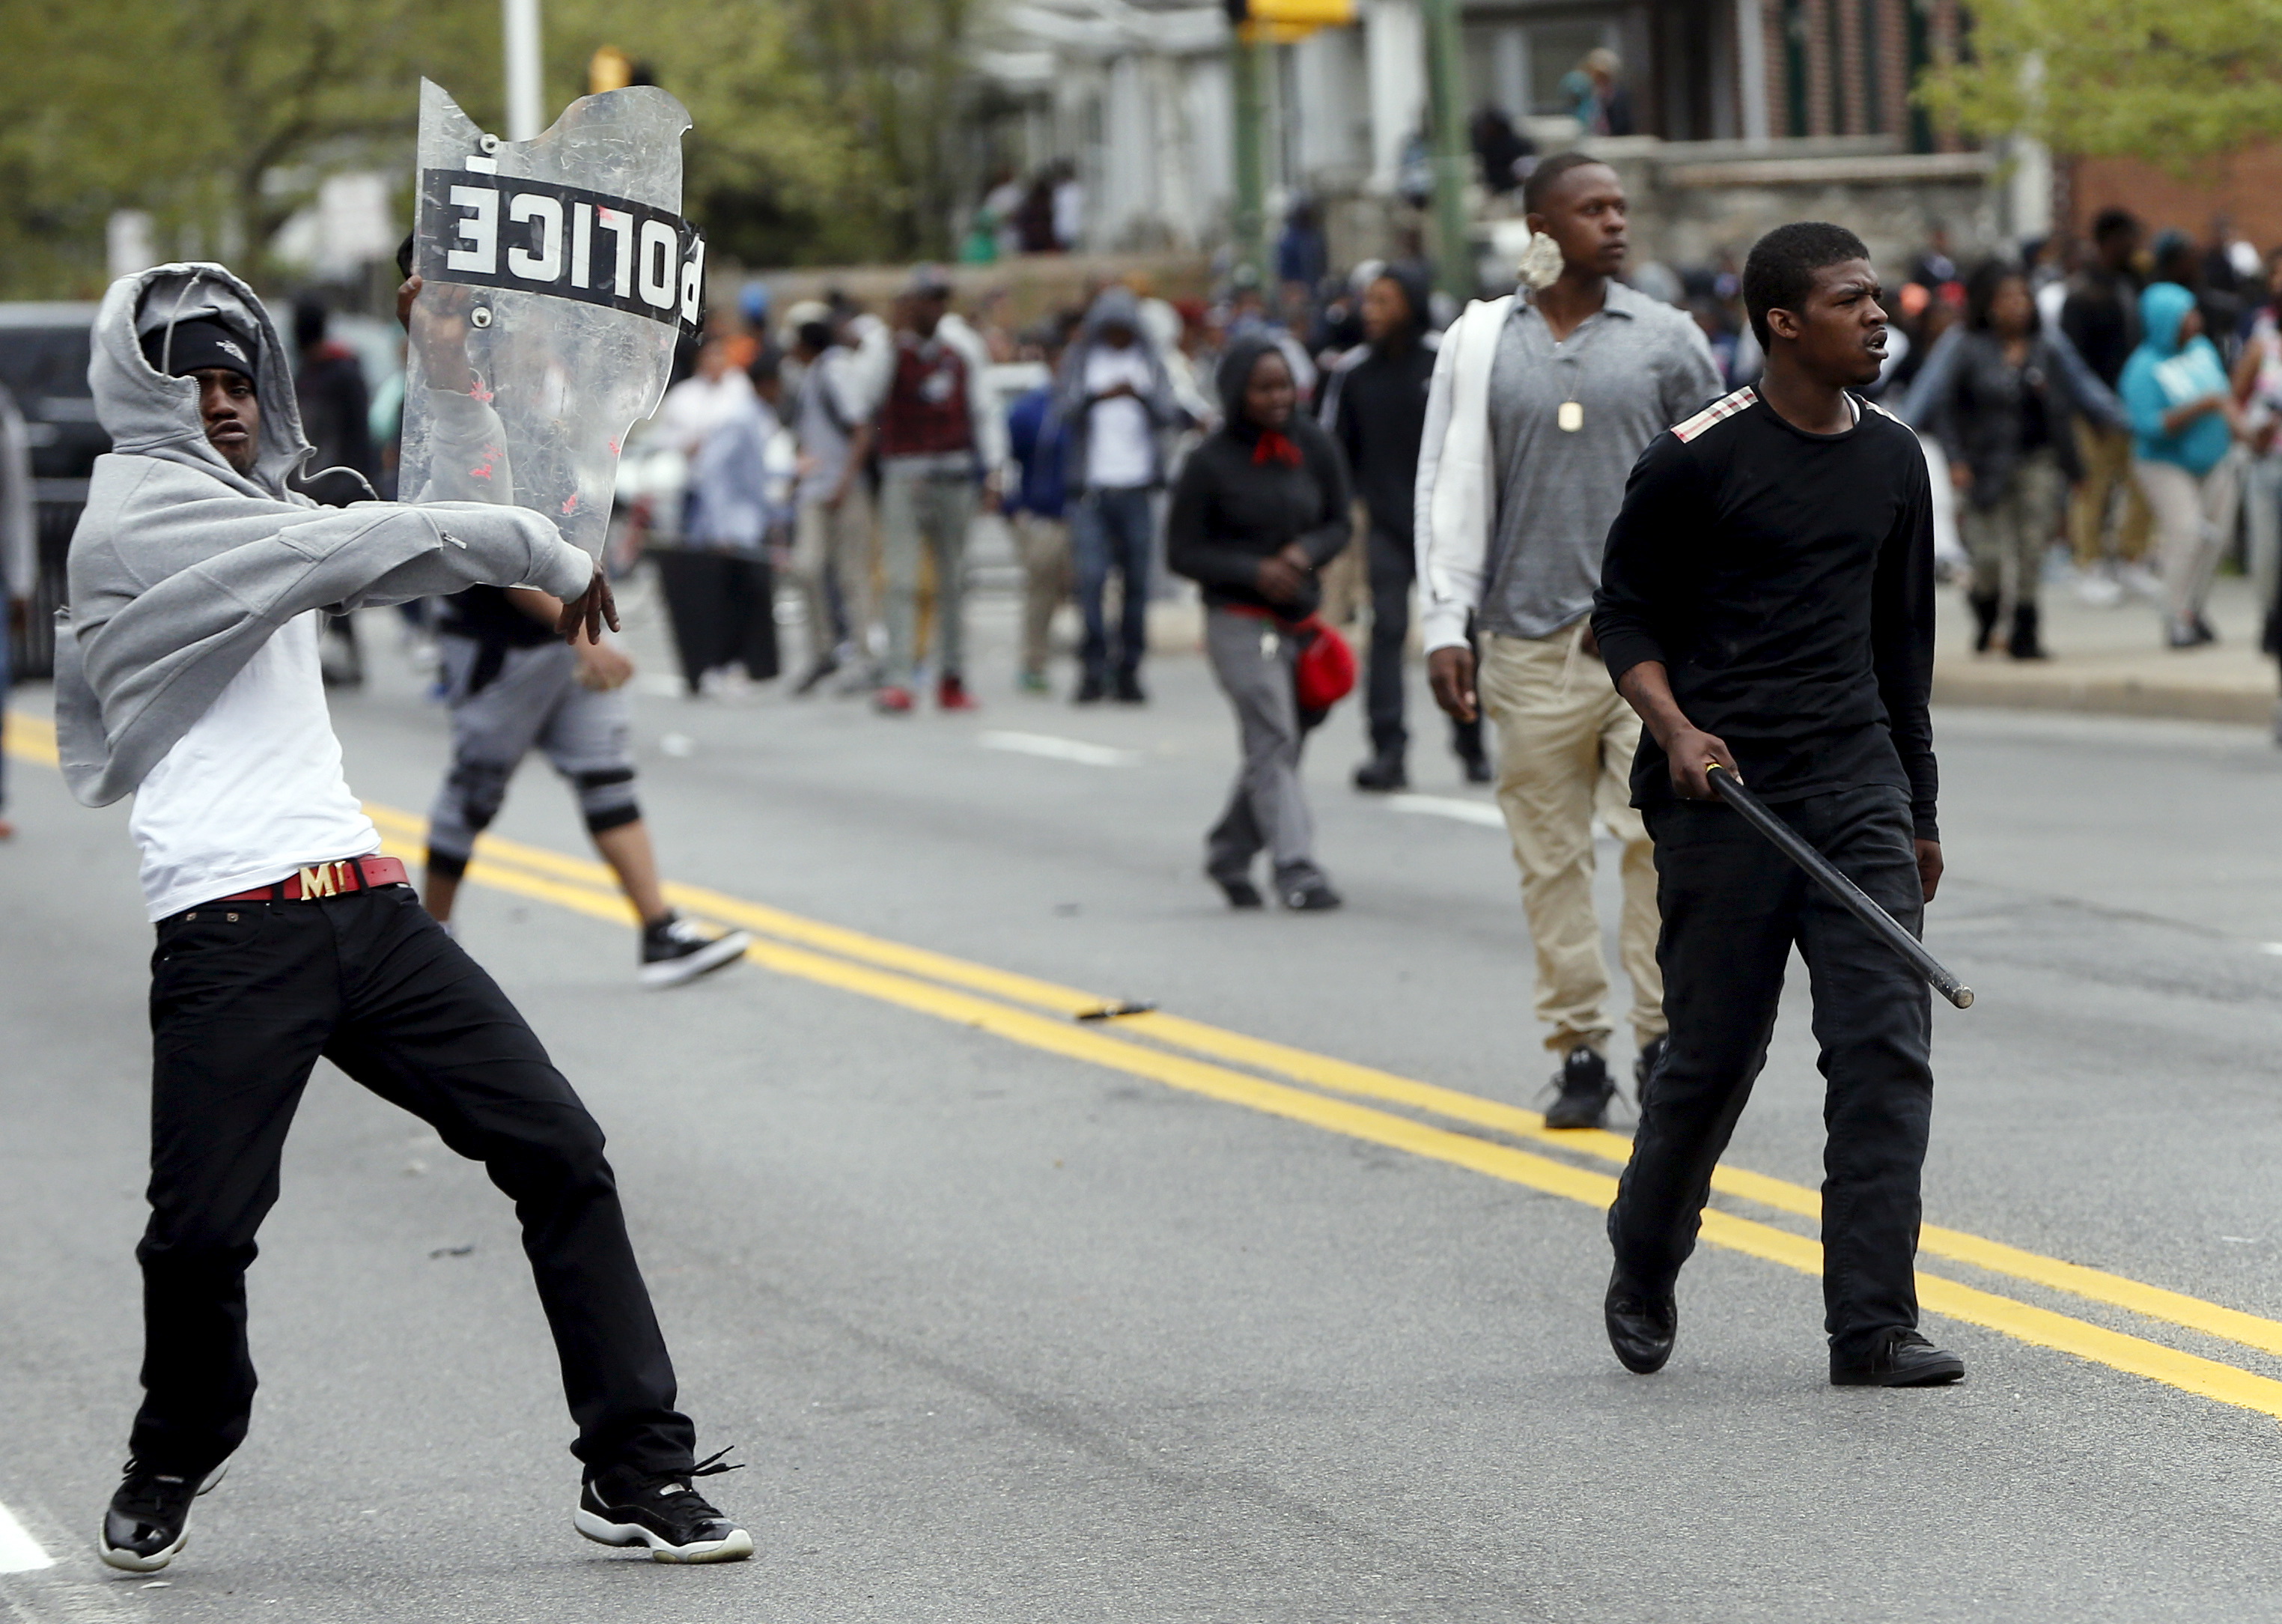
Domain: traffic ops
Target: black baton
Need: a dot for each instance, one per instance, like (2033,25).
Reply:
(1819,869)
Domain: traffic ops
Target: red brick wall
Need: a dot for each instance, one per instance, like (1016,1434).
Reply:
(2245,186)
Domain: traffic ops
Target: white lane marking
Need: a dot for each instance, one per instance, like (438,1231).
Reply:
(20,1552)
(1055,749)
(1483,812)
(2271,947)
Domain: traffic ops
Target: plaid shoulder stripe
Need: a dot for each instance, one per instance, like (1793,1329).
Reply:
(1718,411)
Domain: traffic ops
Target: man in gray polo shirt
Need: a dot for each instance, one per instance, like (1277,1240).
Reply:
(1540,406)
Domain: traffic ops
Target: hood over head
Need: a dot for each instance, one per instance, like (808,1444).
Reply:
(2163,306)
(1115,306)
(1236,373)
(1411,276)
(147,414)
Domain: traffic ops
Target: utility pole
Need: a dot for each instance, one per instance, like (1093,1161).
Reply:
(1446,90)
(1254,27)
(1247,61)
(525,117)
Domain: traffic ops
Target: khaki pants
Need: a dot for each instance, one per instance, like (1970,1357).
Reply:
(1565,744)
(836,545)
(2195,514)
(1047,582)
(2106,455)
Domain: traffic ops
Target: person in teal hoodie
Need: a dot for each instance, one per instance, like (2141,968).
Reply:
(2183,432)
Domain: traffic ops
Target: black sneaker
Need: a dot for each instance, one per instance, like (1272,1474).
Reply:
(148,1523)
(662,1509)
(1904,1359)
(1585,1090)
(1644,1067)
(1129,691)
(1314,895)
(1383,773)
(1091,690)
(1642,1325)
(1479,770)
(674,951)
(1240,891)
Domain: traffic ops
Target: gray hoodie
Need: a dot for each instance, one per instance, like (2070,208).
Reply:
(1112,307)
(182,567)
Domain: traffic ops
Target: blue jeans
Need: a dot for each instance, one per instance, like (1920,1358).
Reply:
(1110,530)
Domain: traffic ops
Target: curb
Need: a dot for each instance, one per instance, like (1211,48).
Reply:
(2105,697)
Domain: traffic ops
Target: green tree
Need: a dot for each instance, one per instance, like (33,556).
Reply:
(2171,80)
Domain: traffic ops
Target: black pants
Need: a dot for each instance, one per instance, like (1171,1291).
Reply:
(245,997)
(1733,907)
(723,611)
(1392,566)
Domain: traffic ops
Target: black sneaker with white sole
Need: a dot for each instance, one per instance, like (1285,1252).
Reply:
(674,951)
(148,1523)
(619,1505)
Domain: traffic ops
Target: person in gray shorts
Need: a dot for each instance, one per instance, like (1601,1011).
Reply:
(512,685)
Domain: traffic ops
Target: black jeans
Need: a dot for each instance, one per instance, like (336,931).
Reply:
(1392,567)
(1733,907)
(245,997)
(1110,530)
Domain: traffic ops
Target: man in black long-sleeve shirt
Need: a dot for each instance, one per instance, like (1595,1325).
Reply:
(1766,604)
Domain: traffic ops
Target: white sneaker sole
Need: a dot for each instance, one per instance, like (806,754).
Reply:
(127,1562)
(712,956)
(736,1548)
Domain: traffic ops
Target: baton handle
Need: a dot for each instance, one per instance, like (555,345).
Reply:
(1849,895)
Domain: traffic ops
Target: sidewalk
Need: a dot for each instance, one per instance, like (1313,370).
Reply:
(2113,661)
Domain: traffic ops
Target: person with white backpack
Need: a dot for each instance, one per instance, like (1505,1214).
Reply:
(1540,403)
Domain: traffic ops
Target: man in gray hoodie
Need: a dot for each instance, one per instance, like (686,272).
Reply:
(186,675)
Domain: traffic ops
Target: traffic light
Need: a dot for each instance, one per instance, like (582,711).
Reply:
(1281,21)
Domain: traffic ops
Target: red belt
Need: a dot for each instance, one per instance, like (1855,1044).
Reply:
(319,880)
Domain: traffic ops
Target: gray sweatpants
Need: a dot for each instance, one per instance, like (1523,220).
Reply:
(533,698)
(1253,659)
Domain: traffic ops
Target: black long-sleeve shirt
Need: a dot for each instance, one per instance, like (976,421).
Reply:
(1785,580)
(1377,414)
(1234,505)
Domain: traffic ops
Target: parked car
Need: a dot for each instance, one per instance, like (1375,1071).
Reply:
(44,355)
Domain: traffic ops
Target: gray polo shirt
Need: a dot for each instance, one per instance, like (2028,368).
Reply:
(1633,370)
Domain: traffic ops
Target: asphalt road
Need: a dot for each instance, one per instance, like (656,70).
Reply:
(1019,1318)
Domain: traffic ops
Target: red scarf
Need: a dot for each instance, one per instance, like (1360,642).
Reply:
(1273,447)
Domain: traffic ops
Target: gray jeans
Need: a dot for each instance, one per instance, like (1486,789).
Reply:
(1253,659)
(924,509)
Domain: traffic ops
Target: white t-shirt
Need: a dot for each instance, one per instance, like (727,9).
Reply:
(254,789)
(1118,453)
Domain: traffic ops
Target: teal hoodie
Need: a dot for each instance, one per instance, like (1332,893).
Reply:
(2163,374)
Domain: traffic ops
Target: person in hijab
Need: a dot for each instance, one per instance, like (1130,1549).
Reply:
(1262,505)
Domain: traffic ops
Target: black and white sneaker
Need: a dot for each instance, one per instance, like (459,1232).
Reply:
(148,1523)
(620,1506)
(1585,1090)
(674,951)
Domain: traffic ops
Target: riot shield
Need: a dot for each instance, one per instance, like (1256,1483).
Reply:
(558,276)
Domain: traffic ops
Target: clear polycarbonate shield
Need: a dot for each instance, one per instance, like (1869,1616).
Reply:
(558,275)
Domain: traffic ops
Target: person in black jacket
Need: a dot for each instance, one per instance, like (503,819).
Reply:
(2004,422)
(1375,407)
(1261,506)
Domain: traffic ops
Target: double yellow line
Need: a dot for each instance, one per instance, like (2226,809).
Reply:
(1201,1059)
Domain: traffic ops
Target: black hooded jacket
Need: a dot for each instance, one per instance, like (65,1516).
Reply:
(1233,506)
(1376,408)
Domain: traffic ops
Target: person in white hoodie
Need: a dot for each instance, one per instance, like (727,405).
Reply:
(1538,409)
(186,674)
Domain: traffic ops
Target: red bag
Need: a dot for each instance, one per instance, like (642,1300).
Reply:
(1325,674)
